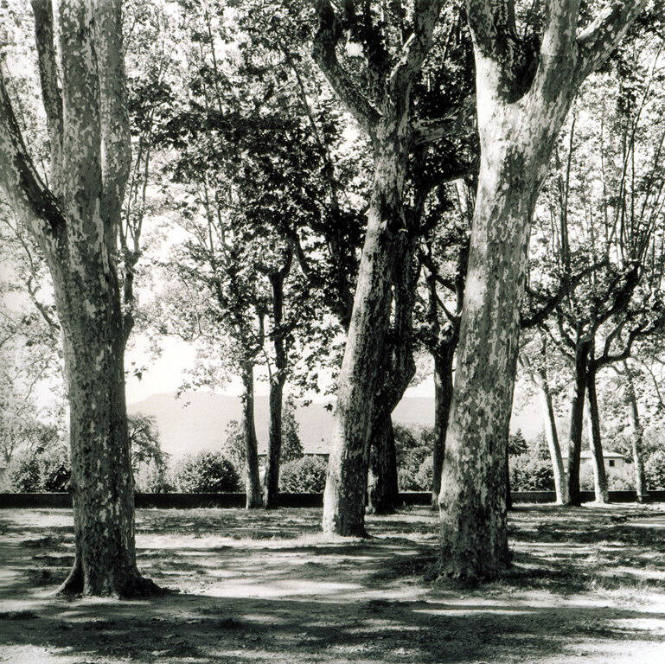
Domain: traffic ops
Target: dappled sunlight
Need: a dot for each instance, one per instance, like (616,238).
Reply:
(263,586)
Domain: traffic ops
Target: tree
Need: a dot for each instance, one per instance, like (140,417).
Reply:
(386,50)
(524,88)
(74,223)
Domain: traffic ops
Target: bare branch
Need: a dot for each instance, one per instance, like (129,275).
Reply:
(601,37)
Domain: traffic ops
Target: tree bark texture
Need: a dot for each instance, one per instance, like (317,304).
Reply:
(360,378)
(522,100)
(595,442)
(253,494)
(552,436)
(636,439)
(75,226)
(386,120)
(277,382)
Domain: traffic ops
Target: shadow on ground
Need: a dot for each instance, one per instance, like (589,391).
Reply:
(587,584)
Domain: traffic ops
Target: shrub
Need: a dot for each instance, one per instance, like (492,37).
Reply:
(424,475)
(206,472)
(305,475)
(530,473)
(23,474)
(654,469)
(55,470)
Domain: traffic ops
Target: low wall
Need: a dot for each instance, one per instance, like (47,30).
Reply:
(194,500)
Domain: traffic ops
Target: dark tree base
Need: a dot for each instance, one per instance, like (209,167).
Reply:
(133,587)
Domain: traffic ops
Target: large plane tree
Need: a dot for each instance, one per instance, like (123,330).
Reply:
(74,221)
(524,88)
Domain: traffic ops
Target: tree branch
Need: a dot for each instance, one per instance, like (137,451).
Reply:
(48,76)
(417,46)
(19,180)
(601,37)
(324,53)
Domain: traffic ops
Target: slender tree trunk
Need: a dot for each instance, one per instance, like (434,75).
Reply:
(278,379)
(361,375)
(577,422)
(552,437)
(443,395)
(636,439)
(595,442)
(271,477)
(383,492)
(253,480)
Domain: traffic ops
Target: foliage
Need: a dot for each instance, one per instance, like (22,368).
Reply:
(148,459)
(206,472)
(654,468)
(304,475)
(23,474)
(55,470)
(529,473)
(291,445)
(413,445)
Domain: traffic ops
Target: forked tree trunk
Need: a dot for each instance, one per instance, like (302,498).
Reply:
(577,422)
(75,226)
(383,491)
(383,110)
(595,442)
(522,100)
(552,436)
(253,496)
(636,439)
(443,395)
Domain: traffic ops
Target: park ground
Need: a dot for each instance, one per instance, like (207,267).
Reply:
(587,585)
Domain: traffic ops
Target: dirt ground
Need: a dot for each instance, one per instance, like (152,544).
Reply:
(588,585)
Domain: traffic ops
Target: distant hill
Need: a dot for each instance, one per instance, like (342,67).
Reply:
(197,420)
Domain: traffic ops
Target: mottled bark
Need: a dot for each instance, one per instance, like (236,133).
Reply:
(636,439)
(253,495)
(577,421)
(75,225)
(386,120)
(360,377)
(522,100)
(443,396)
(595,442)
(552,437)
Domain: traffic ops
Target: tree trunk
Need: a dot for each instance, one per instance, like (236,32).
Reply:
(595,442)
(361,375)
(102,483)
(443,395)
(472,500)
(383,492)
(636,439)
(75,226)
(552,437)
(271,477)
(277,381)
(253,481)
(577,422)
